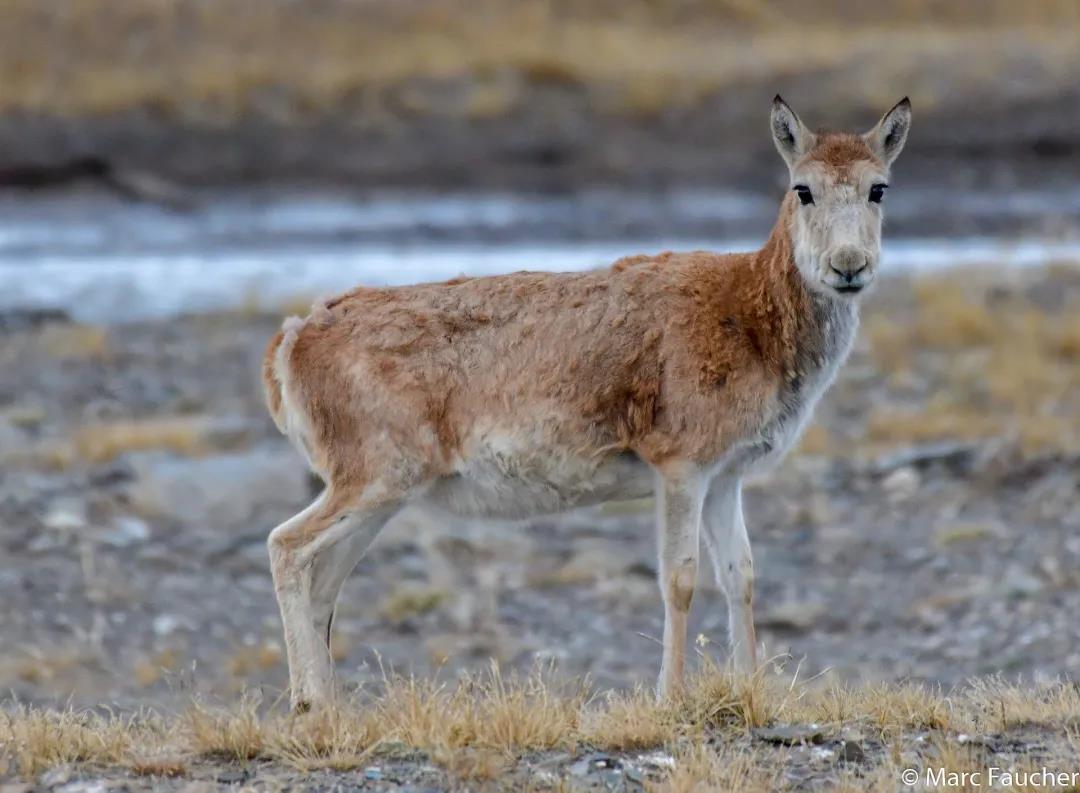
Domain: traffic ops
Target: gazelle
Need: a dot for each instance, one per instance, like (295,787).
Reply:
(530,393)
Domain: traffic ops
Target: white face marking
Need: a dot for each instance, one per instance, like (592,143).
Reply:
(836,225)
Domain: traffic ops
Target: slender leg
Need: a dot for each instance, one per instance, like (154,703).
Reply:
(332,566)
(729,548)
(296,548)
(681,494)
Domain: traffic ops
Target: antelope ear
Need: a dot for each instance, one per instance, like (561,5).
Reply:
(790,135)
(888,137)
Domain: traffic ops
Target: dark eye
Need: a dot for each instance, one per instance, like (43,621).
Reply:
(877,192)
(804,194)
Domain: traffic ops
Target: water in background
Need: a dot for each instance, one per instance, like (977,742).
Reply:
(105,260)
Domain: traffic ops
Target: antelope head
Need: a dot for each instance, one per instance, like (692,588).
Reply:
(838,182)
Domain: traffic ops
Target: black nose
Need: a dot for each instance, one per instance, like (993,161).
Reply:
(848,275)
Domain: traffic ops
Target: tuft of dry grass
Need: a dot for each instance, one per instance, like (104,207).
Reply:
(624,722)
(35,740)
(965,532)
(489,712)
(409,601)
(996,704)
(527,713)
(339,738)
(149,670)
(184,435)
(148,763)
(898,707)
(235,733)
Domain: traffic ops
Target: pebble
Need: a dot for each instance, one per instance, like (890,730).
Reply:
(128,530)
(796,617)
(232,776)
(1020,582)
(850,752)
(959,456)
(657,760)
(790,734)
(65,516)
(901,484)
(55,777)
(88,786)
(164,624)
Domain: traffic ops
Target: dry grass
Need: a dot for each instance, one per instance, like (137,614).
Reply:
(626,722)
(150,669)
(72,341)
(59,341)
(209,61)
(998,705)
(998,362)
(34,740)
(883,708)
(102,442)
(410,600)
(40,665)
(488,712)
(190,436)
(237,733)
(478,728)
(248,660)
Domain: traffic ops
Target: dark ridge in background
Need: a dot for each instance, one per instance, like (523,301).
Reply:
(549,96)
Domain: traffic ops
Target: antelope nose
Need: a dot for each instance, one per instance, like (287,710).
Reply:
(848,263)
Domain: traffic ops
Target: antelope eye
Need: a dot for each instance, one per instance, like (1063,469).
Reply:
(877,192)
(804,194)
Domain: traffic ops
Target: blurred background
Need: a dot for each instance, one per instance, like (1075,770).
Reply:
(177,174)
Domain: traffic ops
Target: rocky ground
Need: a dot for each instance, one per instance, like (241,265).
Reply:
(927,529)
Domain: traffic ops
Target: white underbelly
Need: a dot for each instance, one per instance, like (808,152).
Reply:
(508,486)
(782,433)
(778,440)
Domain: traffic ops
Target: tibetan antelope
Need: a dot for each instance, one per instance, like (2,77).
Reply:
(535,392)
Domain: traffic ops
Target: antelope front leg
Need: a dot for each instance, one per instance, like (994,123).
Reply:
(681,493)
(729,548)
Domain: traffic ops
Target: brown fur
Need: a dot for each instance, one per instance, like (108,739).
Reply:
(839,150)
(670,356)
